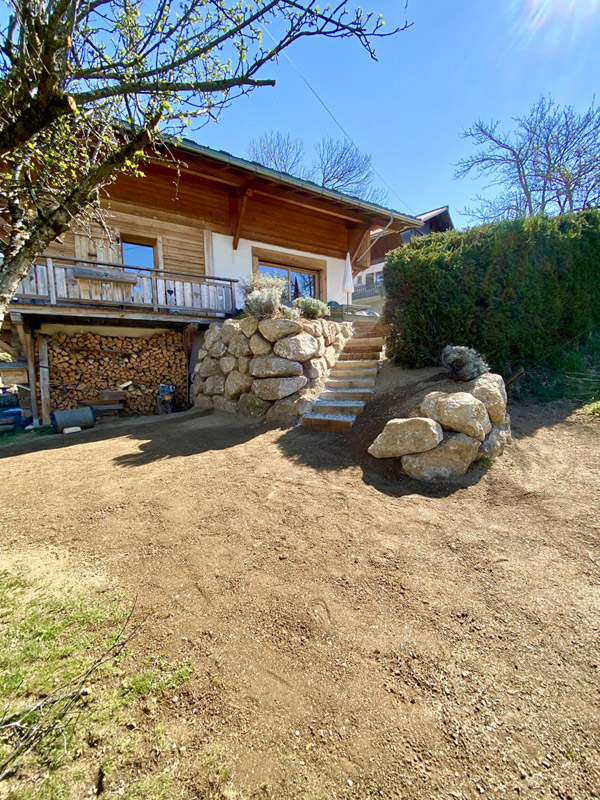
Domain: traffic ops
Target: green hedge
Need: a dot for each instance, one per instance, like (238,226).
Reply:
(518,291)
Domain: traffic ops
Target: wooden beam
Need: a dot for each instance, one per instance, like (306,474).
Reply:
(165,319)
(44,380)
(240,217)
(17,321)
(356,238)
(27,345)
(189,332)
(6,348)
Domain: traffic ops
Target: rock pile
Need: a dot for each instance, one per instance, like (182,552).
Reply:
(449,431)
(271,367)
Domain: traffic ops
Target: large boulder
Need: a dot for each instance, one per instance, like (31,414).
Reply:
(249,405)
(208,367)
(287,411)
(313,326)
(459,412)
(221,403)
(239,345)
(278,327)
(228,364)
(212,335)
(215,384)
(228,330)
(330,356)
(491,391)
(330,331)
(297,348)
(218,349)
(450,459)
(274,367)
(203,402)
(243,364)
(403,436)
(494,443)
(315,368)
(236,384)
(197,385)
(277,388)
(249,326)
(259,345)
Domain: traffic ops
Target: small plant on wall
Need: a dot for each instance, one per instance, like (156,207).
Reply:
(263,295)
(310,307)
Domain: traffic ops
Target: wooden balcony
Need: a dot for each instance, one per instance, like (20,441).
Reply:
(70,286)
(369,290)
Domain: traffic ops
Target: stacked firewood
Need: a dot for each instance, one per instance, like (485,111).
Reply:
(83,364)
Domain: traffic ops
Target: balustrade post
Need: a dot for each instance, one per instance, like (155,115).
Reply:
(51,282)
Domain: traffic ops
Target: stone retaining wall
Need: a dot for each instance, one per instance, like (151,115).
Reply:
(273,367)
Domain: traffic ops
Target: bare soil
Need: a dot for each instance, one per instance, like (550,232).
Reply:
(355,634)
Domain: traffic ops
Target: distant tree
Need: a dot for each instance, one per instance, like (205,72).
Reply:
(340,165)
(337,165)
(549,163)
(279,151)
(87,87)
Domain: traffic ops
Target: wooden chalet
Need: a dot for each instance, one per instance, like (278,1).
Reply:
(178,241)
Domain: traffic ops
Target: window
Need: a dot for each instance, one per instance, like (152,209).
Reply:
(359,280)
(137,255)
(378,277)
(370,279)
(298,282)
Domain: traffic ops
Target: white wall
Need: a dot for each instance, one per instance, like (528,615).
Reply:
(230,263)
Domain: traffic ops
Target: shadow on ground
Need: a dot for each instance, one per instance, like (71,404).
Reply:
(160,437)
(398,393)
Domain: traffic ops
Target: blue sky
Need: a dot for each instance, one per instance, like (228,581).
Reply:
(459,61)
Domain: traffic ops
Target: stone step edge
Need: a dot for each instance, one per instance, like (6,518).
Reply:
(345,417)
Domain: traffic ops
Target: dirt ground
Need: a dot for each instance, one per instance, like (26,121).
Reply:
(355,634)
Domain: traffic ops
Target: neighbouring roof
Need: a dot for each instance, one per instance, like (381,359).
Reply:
(397,219)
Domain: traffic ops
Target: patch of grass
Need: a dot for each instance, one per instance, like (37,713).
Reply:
(573,375)
(159,787)
(161,678)
(21,436)
(47,645)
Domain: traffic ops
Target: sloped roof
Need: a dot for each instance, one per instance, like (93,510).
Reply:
(401,220)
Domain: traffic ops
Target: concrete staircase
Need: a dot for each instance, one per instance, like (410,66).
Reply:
(351,381)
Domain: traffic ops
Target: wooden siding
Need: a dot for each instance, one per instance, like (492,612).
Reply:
(213,203)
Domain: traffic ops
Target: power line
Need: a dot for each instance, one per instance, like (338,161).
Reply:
(339,124)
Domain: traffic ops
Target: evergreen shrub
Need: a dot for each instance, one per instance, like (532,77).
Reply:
(519,291)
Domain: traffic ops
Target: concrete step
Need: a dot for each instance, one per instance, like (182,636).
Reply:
(328,422)
(336,407)
(333,385)
(352,363)
(351,395)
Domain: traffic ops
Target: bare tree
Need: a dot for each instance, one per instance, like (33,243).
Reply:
(338,164)
(70,68)
(549,163)
(279,151)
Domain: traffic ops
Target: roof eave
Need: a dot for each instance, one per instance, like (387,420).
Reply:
(394,218)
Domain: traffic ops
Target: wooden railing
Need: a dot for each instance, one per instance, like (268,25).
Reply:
(69,281)
(370,290)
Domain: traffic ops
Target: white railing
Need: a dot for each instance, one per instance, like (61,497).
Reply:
(69,281)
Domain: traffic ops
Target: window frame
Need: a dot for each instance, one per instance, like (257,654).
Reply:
(294,263)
